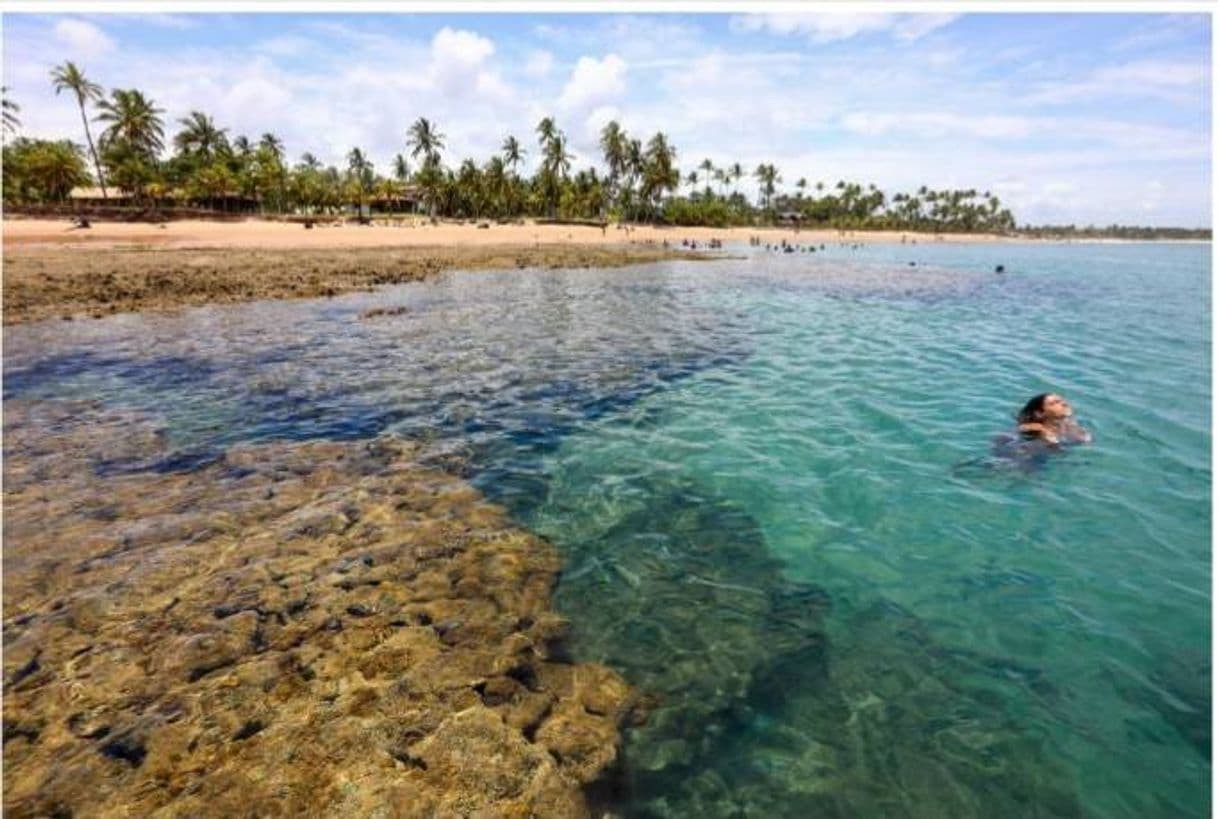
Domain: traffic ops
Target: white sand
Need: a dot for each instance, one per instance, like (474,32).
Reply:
(256,233)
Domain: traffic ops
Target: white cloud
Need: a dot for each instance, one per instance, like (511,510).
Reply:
(174,21)
(938,124)
(830,27)
(594,82)
(539,63)
(1173,80)
(1059,187)
(912,27)
(84,40)
(457,58)
(462,48)
(587,137)
(1155,72)
(1153,197)
(286,45)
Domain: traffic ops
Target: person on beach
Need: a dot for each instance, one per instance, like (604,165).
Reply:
(1048,417)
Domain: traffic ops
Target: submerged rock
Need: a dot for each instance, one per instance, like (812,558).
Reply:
(315,629)
(754,709)
(682,595)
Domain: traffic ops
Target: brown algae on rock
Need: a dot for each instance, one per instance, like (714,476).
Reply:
(295,629)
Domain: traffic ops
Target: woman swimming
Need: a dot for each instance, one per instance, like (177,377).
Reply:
(1046,425)
(1050,418)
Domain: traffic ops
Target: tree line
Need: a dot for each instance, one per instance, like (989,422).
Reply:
(640,180)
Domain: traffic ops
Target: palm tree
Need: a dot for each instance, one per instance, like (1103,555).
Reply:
(469,189)
(635,164)
(133,119)
(767,176)
(555,164)
(430,178)
(691,179)
(512,152)
(68,76)
(614,147)
(546,130)
(708,172)
(200,136)
(401,169)
(660,172)
(307,160)
(361,174)
(10,109)
(496,184)
(132,140)
(273,144)
(423,138)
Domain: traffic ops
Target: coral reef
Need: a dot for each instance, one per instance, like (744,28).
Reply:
(63,283)
(296,629)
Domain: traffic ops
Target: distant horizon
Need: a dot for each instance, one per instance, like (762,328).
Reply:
(1086,119)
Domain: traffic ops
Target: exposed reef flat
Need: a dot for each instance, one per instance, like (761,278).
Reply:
(296,629)
(58,282)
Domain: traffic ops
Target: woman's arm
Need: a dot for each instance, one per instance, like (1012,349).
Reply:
(1038,430)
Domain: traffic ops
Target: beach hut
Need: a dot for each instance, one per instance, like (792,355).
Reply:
(403,200)
(93,196)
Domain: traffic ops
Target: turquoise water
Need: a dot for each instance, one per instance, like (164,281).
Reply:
(771,481)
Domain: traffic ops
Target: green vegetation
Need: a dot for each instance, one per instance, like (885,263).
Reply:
(1114,232)
(39,170)
(642,181)
(9,108)
(68,77)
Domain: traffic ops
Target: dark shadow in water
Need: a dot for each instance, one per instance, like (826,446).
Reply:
(1179,691)
(757,712)
(44,378)
(209,407)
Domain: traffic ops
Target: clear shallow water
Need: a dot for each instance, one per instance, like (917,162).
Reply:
(770,480)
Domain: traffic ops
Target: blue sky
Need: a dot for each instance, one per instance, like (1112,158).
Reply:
(1087,118)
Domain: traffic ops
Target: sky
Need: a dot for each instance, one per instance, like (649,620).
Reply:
(1086,118)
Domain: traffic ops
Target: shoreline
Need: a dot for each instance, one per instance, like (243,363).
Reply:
(55,271)
(34,233)
(67,283)
(22,234)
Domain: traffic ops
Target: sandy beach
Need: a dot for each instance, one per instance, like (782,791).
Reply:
(262,234)
(55,270)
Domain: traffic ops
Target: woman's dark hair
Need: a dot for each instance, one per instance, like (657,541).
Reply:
(1033,409)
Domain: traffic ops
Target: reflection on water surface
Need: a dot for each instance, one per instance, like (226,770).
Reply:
(746,467)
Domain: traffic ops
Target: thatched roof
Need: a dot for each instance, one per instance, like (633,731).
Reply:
(96,193)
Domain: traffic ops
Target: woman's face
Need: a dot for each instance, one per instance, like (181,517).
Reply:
(1056,408)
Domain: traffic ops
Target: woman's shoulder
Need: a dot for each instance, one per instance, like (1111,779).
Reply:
(1075,433)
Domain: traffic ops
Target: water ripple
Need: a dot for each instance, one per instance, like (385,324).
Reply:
(773,482)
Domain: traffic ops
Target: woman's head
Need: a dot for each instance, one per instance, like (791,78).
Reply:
(1048,406)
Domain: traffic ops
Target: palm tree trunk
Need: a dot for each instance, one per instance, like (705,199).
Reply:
(101,179)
